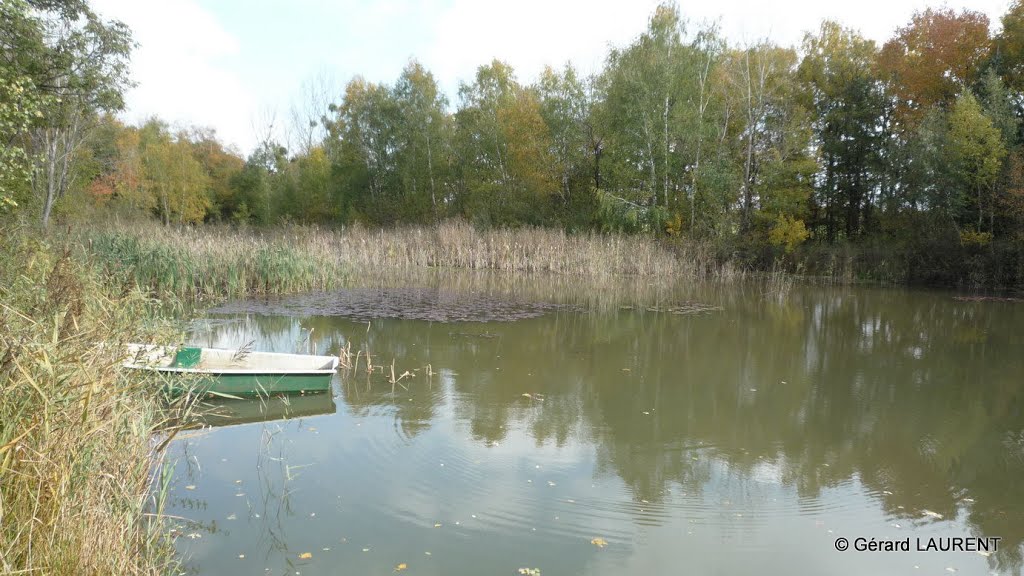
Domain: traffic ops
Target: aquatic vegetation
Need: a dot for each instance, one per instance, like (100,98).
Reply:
(217,263)
(76,445)
(229,261)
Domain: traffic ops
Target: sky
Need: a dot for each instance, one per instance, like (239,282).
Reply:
(242,66)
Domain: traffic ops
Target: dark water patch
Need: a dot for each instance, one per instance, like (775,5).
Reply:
(430,304)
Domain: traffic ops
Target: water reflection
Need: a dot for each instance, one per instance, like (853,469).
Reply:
(224,412)
(766,428)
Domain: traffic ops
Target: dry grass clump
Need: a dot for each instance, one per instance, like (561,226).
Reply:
(75,433)
(459,245)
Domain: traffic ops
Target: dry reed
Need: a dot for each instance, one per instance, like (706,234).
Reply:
(75,433)
(222,261)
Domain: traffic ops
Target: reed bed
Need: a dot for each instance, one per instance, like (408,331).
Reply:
(227,262)
(459,245)
(76,435)
(217,262)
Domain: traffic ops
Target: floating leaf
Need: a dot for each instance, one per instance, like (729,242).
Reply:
(190,487)
(305,556)
(401,567)
(932,514)
(530,571)
(437,524)
(599,542)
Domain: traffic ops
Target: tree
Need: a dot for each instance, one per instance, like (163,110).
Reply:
(1009,47)
(504,149)
(642,87)
(774,131)
(565,107)
(838,74)
(364,133)
(424,136)
(21,103)
(933,58)
(20,106)
(175,180)
(699,118)
(220,165)
(999,106)
(258,183)
(81,63)
(976,151)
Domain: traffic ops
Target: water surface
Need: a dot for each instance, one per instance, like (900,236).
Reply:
(640,430)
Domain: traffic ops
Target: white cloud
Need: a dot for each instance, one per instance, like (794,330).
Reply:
(184,68)
(530,34)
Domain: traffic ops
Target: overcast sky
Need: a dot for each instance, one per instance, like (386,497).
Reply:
(233,64)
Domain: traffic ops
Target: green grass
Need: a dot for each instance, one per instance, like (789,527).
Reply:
(215,262)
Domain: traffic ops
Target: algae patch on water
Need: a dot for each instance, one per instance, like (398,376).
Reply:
(431,304)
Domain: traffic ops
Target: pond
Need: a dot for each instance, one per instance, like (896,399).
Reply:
(626,429)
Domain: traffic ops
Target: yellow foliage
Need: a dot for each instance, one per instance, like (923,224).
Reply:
(787,232)
(674,227)
(972,238)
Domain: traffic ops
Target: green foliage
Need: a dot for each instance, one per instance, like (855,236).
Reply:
(617,214)
(79,64)
(975,152)
(840,80)
(21,105)
(508,171)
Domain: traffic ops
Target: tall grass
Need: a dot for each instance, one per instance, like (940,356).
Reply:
(75,433)
(217,262)
(222,261)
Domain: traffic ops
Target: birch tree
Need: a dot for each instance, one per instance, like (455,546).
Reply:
(80,62)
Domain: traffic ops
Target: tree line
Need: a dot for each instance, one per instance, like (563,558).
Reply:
(912,147)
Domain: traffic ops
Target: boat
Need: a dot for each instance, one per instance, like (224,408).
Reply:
(233,373)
